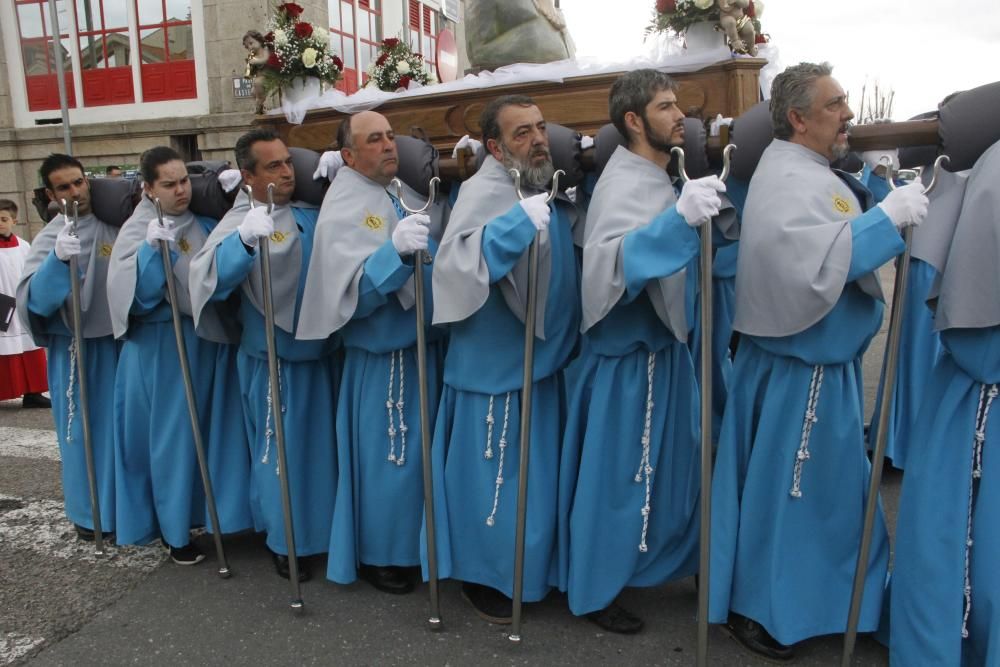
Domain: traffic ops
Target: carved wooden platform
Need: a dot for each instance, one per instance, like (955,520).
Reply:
(729,87)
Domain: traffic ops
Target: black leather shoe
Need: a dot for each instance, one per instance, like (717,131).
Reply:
(87,535)
(281,567)
(386,579)
(753,637)
(490,604)
(30,401)
(616,619)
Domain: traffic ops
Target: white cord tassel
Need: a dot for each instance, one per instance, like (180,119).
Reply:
(802,455)
(982,416)
(268,429)
(491,519)
(645,469)
(70,403)
(488,452)
(399,405)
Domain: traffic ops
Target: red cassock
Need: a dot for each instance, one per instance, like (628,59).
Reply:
(22,363)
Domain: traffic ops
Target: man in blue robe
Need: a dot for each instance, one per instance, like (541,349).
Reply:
(630,468)
(945,589)
(791,473)
(44,304)
(308,372)
(158,484)
(480,287)
(361,285)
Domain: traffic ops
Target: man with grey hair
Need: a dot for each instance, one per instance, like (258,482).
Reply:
(480,282)
(630,453)
(791,471)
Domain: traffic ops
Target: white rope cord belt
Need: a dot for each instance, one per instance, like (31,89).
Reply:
(488,453)
(399,405)
(802,455)
(70,403)
(986,396)
(268,430)
(645,470)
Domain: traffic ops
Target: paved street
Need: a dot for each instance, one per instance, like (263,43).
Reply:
(59,605)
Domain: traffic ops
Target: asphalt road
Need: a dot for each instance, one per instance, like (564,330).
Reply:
(59,605)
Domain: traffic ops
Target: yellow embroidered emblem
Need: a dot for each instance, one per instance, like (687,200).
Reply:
(105,250)
(374,223)
(278,237)
(841,205)
(184,246)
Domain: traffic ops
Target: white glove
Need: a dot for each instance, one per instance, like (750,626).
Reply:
(329,163)
(67,245)
(906,205)
(874,158)
(229,179)
(586,142)
(255,225)
(155,233)
(411,234)
(467,142)
(699,201)
(538,210)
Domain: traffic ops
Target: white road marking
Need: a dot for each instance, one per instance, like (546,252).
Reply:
(14,646)
(32,443)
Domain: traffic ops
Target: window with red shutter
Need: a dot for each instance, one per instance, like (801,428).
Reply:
(166,49)
(105,52)
(39,57)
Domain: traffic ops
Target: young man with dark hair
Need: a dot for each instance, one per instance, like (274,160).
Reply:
(44,304)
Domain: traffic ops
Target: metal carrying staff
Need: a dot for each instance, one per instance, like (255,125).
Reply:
(81,375)
(199,446)
(526,387)
(275,386)
(705,372)
(885,405)
(423,257)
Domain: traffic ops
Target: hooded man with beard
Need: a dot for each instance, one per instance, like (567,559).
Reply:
(791,472)
(480,286)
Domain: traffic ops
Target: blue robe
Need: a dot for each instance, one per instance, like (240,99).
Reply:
(378,511)
(48,291)
(484,363)
(157,477)
(308,377)
(929,572)
(603,491)
(788,562)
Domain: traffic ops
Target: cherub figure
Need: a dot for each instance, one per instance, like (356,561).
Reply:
(257,56)
(737,26)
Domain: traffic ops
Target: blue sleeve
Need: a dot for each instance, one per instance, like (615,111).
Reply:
(874,241)
(657,250)
(384,273)
(505,239)
(232,265)
(49,287)
(150,280)
(875,183)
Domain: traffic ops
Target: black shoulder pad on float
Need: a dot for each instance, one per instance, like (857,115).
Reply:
(911,157)
(606,142)
(564,145)
(306,189)
(752,133)
(111,200)
(207,196)
(418,162)
(203,166)
(695,149)
(969,125)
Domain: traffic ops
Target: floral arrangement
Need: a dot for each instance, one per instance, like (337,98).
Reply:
(297,50)
(676,16)
(397,66)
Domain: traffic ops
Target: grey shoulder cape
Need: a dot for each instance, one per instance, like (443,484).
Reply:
(461,277)
(932,239)
(795,243)
(630,193)
(123,271)
(969,289)
(97,240)
(286,264)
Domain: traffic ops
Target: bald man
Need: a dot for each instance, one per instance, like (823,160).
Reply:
(361,286)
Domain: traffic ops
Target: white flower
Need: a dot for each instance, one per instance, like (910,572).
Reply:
(309,57)
(280,37)
(758,8)
(703,4)
(320,37)
(403,67)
